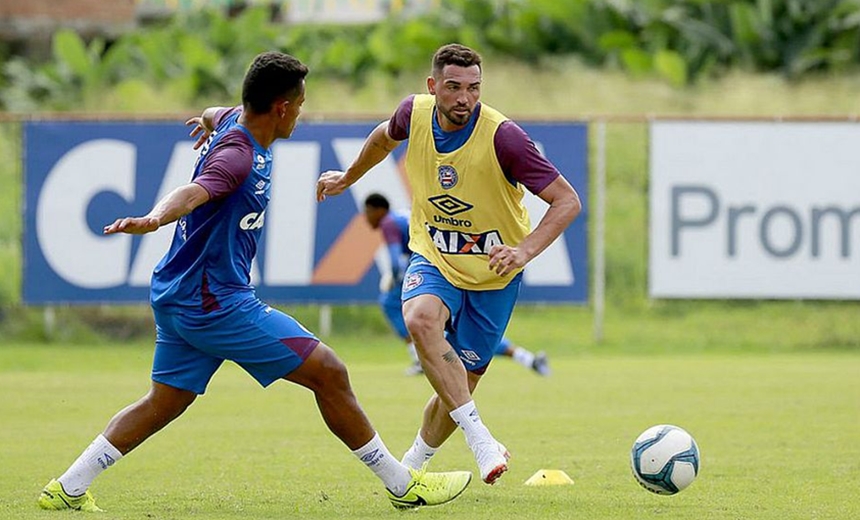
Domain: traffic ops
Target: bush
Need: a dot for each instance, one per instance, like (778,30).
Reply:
(203,55)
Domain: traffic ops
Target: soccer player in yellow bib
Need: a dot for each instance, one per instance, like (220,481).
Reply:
(468,166)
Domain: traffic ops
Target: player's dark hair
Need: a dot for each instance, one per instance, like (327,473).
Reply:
(455,54)
(272,75)
(377,200)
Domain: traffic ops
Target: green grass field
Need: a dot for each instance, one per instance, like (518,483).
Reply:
(778,433)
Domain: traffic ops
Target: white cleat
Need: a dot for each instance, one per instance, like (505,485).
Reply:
(493,461)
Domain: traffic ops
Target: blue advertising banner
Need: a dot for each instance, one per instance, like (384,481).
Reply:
(80,176)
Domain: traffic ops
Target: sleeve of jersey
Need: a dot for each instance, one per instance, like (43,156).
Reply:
(520,159)
(227,166)
(398,125)
(222,113)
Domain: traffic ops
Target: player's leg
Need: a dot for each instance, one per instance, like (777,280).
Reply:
(271,345)
(175,361)
(436,427)
(426,315)
(475,335)
(392,308)
(431,304)
(523,356)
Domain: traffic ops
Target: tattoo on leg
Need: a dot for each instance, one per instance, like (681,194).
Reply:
(450,356)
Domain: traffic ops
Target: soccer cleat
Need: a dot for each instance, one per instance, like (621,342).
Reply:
(55,498)
(541,364)
(415,369)
(492,461)
(431,489)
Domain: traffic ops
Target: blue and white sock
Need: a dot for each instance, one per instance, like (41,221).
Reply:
(99,456)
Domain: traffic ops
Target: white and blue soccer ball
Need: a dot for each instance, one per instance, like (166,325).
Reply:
(665,459)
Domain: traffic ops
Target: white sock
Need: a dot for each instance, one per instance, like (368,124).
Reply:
(391,472)
(467,418)
(419,453)
(524,357)
(99,456)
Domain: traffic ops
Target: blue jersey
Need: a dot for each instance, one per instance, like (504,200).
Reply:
(208,265)
(395,231)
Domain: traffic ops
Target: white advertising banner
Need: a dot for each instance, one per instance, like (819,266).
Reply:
(755,210)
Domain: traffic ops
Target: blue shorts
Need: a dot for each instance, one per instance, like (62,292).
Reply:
(392,307)
(190,347)
(478,318)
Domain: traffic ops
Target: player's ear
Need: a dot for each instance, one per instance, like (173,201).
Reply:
(431,85)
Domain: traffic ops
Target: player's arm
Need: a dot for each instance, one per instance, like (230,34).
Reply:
(525,164)
(377,147)
(177,203)
(564,206)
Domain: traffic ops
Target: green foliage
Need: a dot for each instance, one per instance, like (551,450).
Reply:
(203,54)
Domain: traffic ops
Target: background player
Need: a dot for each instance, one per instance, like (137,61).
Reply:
(395,231)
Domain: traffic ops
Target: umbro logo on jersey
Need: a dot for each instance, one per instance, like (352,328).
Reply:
(261,187)
(450,205)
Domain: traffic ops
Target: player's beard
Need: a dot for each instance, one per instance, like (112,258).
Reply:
(457,119)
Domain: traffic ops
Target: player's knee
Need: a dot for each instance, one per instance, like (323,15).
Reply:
(420,323)
(169,401)
(331,372)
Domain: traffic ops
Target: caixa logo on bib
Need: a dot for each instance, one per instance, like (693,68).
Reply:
(459,243)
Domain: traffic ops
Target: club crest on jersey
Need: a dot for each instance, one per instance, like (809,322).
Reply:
(412,281)
(448,176)
(449,241)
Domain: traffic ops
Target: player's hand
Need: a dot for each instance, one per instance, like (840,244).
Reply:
(200,131)
(506,259)
(330,183)
(133,225)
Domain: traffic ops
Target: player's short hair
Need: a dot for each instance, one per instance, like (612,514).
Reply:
(455,54)
(377,200)
(272,75)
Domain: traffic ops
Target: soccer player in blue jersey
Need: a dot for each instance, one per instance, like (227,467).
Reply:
(395,231)
(468,166)
(206,310)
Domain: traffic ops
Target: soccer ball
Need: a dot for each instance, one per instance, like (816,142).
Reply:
(665,459)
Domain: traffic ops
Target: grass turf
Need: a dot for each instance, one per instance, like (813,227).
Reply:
(777,431)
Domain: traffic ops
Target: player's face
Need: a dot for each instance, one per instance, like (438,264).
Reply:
(457,90)
(292,109)
(373,216)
